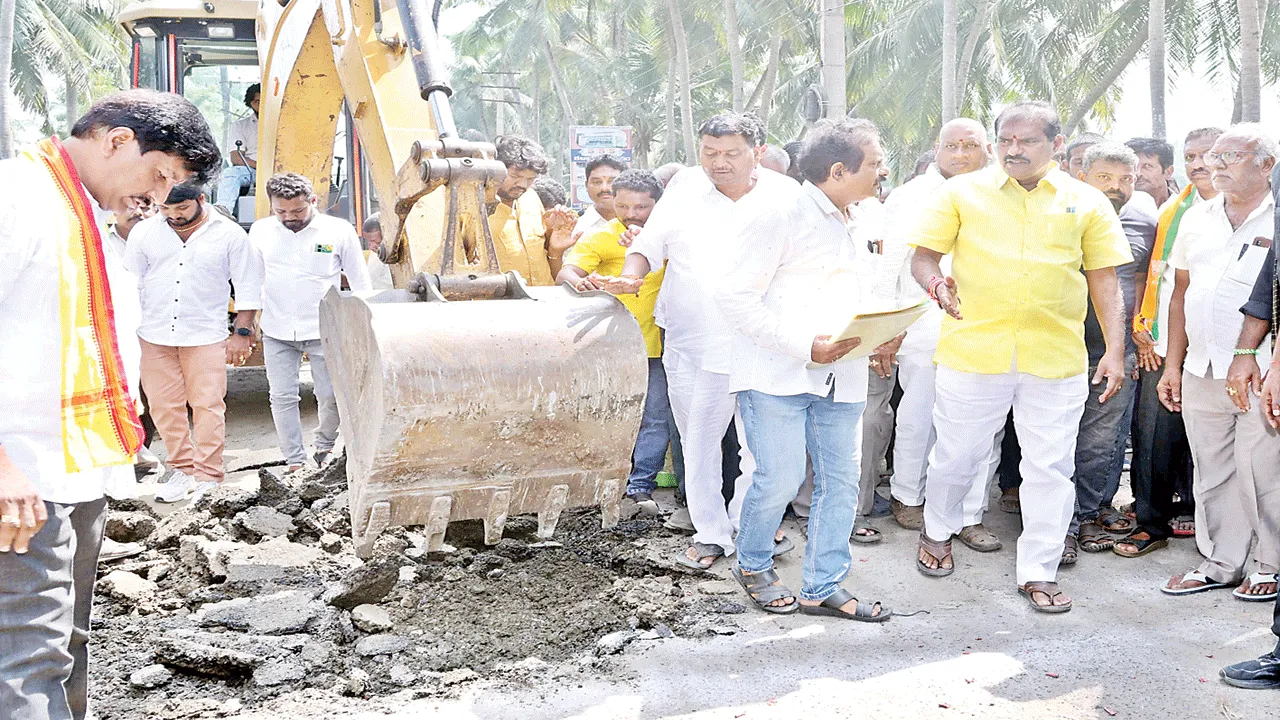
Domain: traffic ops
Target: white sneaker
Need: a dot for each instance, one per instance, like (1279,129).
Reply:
(181,486)
(112,550)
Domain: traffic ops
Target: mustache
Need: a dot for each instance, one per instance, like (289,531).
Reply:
(1016,158)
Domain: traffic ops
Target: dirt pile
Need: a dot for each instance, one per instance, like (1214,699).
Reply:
(249,596)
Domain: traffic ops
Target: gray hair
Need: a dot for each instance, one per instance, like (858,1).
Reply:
(775,158)
(1263,143)
(1110,152)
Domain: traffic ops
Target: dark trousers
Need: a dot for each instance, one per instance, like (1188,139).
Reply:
(1161,458)
(1010,457)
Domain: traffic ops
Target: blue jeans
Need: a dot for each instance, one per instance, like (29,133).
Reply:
(233,180)
(650,453)
(779,430)
(1100,446)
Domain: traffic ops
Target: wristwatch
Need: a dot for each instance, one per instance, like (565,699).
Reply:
(244,332)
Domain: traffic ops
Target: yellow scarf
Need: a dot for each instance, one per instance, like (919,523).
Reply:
(100,425)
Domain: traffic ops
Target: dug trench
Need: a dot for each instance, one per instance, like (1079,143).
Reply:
(253,598)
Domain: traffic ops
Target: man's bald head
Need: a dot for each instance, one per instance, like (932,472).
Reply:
(962,147)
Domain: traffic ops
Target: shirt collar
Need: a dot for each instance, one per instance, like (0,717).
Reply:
(1218,206)
(824,203)
(1053,178)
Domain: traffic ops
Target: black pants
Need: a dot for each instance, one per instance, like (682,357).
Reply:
(1161,460)
(1010,457)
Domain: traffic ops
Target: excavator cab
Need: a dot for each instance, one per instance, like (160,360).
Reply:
(208,52)
(464,393)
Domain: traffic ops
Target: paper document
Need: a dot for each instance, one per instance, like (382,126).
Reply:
(878,328)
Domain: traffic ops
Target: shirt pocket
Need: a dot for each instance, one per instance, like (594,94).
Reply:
(1061,238)
(1247,265)
(318,263)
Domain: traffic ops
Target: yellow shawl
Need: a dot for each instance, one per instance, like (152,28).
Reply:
(100,424)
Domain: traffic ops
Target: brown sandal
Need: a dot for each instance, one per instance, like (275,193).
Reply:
(1070,550)
(940,551)
(1093,539)
(1049,590)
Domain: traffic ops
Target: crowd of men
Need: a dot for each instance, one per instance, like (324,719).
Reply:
(1079,303)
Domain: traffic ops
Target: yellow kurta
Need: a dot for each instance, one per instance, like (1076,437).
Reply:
(1016,258)
(599,252)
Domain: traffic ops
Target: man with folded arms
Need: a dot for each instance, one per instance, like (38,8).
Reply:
(797,277)
(1018,234)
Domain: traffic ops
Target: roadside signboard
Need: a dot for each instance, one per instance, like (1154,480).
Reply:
(587,142)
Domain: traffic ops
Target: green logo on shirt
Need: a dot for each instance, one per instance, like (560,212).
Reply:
(324,248)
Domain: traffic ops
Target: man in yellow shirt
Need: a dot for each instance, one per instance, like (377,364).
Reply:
(528,238)
(598,255)
(1019,235)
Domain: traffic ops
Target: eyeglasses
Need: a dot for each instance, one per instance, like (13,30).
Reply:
(1230,157)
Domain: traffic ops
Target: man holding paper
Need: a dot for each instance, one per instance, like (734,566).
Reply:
(797,278)
(1018,235)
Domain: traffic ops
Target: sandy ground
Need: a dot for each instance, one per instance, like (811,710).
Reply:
(976,650)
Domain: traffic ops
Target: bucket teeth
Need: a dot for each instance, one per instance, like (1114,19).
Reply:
(549,515)
(379,520)
(609,498)
(438,522)
(496,519)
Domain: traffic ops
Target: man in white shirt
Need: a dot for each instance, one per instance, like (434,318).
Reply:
(962,147)
(304,253)
(187,258)
(379,272)
(130,146)
(242,153)
(694,232)
(1222,249)
(601,172)
(797,274)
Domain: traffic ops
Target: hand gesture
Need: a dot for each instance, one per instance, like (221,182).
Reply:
(824,351)
(949,297)
(559,217)
(625,285)
(239,348)
(1147,358)
(1271,396)
(629,235)
(885,356)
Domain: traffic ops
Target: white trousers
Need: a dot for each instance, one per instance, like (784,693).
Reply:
(968,412)
(914,437)
(703,406)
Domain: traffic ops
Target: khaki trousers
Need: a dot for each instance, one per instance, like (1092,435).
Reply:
(177,377)
(1237,480)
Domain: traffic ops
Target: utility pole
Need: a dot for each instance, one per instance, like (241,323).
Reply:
(833,56)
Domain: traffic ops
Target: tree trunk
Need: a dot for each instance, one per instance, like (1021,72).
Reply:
(950,21)
(7,9)
(981,15)
(557,82)
(1097,91)
(1156,56)
(72,98)
(768,82)
(733,41)
(1250,61)
(669,141)
(834,81)
(686,93)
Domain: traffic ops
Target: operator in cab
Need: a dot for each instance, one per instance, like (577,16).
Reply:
(242,153)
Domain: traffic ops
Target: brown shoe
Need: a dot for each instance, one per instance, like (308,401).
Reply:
(1010,501)
(910,517)
(979,538)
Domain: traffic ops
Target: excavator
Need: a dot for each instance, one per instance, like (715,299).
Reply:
(464,393)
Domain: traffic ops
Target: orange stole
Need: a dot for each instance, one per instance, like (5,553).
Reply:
(100,425)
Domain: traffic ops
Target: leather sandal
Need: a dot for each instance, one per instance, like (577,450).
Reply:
(940,551)
(1094,539)
(978,537)
(761,589)
(863,612)
(1049,590)
(1070,550)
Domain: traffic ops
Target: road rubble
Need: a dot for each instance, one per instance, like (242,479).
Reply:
(253,598)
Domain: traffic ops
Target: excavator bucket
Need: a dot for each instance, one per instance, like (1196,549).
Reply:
(527,401)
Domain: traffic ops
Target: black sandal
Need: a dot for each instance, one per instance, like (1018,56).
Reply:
(1114,521)
(940,551)
(762,591)
(864,612)
(1142,545)
(704,551)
